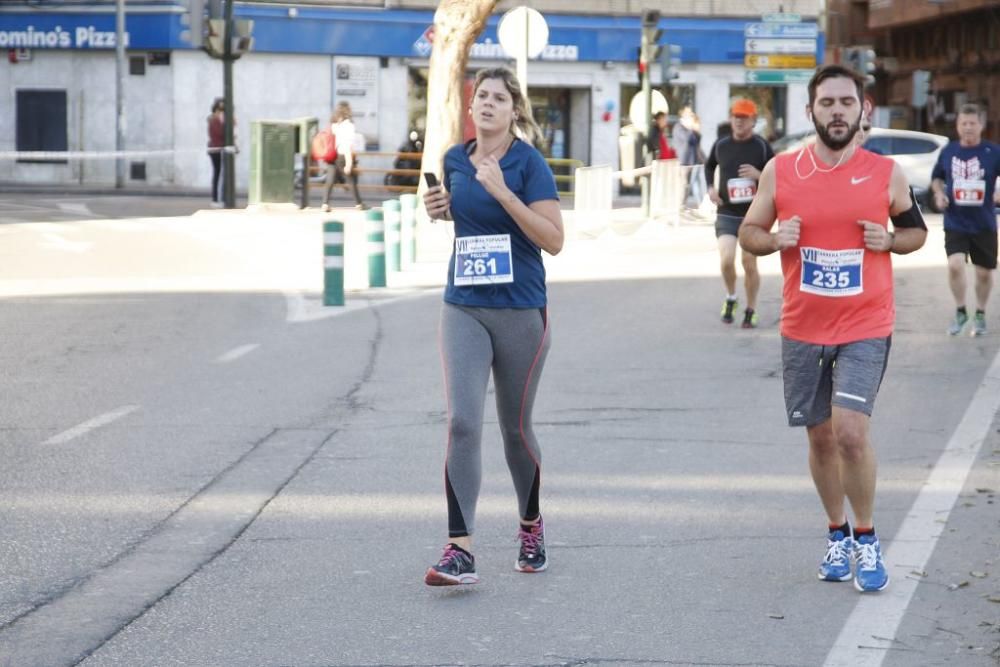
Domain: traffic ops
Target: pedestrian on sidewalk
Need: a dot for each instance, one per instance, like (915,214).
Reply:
(216,140)
(740,157)
(344,166)
(833,202)
(686,140)
(658,141)
(501,195)
(963,183)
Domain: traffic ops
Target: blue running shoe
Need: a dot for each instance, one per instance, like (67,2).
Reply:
(836,565)
(871,574)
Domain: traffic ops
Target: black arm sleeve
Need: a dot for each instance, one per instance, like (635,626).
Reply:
(911,217)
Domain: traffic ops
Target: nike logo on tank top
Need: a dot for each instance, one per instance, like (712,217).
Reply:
(835,290)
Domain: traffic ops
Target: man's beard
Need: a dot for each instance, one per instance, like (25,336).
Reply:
(836,144)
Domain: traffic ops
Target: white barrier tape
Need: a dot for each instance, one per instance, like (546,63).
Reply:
(375,248)
(333,262)
(333,238)
(106,155)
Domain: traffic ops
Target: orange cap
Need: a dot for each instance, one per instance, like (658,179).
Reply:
(743,107)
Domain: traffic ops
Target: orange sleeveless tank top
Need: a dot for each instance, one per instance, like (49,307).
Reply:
(835,290)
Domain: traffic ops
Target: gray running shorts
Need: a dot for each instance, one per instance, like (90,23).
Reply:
(817,377)
(727,224)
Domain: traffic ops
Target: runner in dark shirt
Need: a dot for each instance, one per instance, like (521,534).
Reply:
(740,158)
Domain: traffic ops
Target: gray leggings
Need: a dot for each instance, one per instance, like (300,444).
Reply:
(513,343)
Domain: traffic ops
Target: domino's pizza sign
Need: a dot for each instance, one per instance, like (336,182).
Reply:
(425,42)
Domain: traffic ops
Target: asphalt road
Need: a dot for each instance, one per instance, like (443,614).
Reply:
(201,470)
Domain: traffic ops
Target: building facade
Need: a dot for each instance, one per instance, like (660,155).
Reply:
(59,79)
(933,57)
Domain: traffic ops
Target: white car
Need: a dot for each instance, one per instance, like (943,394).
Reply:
(915,152)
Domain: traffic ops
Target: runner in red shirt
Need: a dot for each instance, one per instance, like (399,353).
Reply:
(833,202)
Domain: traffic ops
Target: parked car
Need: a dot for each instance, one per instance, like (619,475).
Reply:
(915,152)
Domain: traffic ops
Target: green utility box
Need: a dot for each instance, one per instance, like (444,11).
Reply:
(272,161)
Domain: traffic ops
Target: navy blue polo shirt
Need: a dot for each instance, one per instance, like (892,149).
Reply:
(477,214)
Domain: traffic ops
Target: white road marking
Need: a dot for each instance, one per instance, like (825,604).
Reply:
(77,208)
(17,206)
(91,424)
(237,352)
(301,308)
(871,628)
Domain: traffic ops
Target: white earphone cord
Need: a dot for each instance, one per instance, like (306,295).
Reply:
(813,159)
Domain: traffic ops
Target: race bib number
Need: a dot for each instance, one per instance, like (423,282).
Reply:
(483,260)
(969,192)
(832,272)
(741,190)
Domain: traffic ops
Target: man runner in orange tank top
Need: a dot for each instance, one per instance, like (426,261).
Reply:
(833,202)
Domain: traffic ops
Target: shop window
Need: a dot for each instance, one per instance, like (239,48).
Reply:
(550,108)
(41,122)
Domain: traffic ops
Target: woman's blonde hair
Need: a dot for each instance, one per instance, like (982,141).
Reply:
(524,126)
(341,112)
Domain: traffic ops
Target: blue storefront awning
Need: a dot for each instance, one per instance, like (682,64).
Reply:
(384,33)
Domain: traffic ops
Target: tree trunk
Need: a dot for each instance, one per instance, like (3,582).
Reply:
(457,23)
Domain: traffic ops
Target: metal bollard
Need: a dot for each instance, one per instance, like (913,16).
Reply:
(376,248)
(408,231)
(391,214)
(333,264)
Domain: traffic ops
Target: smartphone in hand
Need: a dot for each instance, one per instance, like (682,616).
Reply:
(430,179)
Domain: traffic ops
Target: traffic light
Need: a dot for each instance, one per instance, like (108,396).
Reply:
(242,36)
(640,65)
(651,35)
(215,35)
(866,64)
(670,60)
(862,60)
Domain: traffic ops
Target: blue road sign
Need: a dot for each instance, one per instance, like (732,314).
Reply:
(781,30)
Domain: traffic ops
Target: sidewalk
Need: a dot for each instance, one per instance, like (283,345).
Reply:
(628,246)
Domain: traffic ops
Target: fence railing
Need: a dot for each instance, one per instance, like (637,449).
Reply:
(400,172)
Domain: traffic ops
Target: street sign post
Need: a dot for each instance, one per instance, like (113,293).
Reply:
(780,49)
(782,17)
(778,75)
(808,30)
(780,45)
(523,34)
(779,61)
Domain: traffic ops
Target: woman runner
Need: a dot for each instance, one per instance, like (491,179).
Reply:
(501,195)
